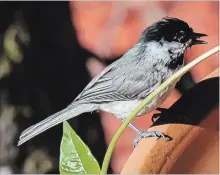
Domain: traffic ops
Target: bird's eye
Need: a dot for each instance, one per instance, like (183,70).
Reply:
(180,37)
(180,34)
(177,36)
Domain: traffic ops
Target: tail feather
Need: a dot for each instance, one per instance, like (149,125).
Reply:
(55,119)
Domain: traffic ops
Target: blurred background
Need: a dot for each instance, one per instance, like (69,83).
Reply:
(49,51)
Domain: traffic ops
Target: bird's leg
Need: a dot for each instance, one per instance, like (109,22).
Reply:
(131,126)
(144,134)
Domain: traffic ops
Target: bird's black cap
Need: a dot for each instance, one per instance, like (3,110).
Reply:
(172,29)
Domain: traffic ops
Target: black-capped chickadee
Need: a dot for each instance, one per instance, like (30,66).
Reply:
(121,87)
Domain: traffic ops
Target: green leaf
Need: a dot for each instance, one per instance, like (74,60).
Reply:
(75,156)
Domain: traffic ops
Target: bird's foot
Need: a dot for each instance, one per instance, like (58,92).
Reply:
(146,134)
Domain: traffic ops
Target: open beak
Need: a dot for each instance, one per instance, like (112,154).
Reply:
(197,36)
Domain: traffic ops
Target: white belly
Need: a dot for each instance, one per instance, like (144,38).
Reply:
(122,109)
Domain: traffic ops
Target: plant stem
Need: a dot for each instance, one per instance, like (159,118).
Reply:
(146,100)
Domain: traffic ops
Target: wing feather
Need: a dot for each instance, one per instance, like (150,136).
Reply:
(128,78)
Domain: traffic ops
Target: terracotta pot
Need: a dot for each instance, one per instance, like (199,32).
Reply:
(193,125)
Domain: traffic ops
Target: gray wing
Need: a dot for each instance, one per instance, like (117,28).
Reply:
(101,88)
(137,82)
(125,79)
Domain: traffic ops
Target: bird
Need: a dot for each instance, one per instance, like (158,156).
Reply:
(122,86)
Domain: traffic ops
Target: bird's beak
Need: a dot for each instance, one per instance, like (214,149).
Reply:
(197,36)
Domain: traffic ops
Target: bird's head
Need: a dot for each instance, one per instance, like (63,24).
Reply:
(173,30)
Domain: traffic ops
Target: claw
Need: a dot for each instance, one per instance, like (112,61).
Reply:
(147,134)
(136,141)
